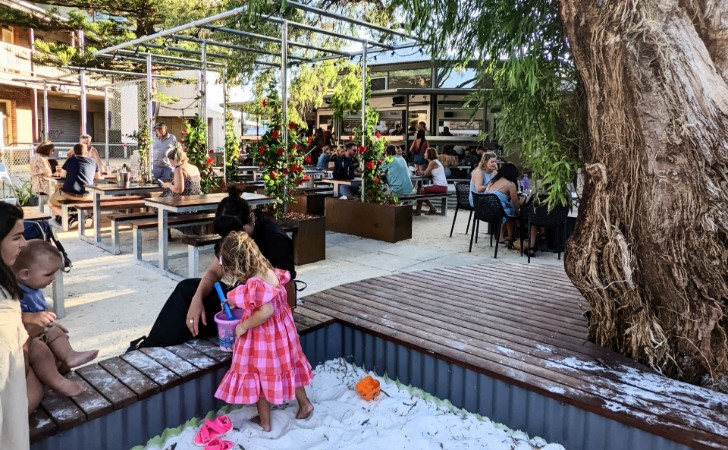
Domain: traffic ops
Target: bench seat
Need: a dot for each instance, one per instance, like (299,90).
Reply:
(107,204)
(118,219)
(174,221)
(442,196)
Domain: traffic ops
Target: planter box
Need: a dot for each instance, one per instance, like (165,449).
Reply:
(309,238)
(389,223)
(310,203)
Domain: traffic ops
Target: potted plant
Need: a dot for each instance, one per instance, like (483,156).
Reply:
(282,163)
(24,195)
(378,216)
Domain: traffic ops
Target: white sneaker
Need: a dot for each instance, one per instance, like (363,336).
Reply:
(343,197)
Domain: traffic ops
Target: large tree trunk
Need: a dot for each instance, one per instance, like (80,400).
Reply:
(650,253)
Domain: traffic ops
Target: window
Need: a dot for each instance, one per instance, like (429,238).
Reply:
(421,78)
(378,84)
(456,78)
(7,35)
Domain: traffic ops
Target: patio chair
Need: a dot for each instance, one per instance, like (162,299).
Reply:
(462,191)
(488,208)
(537,214)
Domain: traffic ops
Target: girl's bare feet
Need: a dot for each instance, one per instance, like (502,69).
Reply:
(304,411)
(256,420)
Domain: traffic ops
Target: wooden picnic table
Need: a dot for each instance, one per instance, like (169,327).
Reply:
(186,204)
(337,183)
(114,189)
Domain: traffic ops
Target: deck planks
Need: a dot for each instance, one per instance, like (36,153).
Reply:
(525,325)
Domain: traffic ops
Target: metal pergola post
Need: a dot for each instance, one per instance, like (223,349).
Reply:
(203,91)
(224,124)
(46,120)
(82,76)
(107,124)
(284,97)
(363,109)
(150,117)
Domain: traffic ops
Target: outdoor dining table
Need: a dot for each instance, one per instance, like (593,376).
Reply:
(253,170)
(188,204)
(114,189)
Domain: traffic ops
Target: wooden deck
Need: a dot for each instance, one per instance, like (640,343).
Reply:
(524,325)
(119,382)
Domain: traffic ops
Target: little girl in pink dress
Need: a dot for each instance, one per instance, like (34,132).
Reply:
(268,363)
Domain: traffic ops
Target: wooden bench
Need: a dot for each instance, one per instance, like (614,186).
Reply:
(174,221)
(124,218)
(438,196)
(133,397)
(107,204)
(197,243)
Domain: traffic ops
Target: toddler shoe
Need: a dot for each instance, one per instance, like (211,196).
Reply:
(213,429)
(219,444)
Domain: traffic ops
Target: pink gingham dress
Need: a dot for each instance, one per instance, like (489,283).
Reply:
(267,359)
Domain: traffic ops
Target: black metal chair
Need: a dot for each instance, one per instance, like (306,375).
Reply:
(537,214)
(462,191)
(488,208)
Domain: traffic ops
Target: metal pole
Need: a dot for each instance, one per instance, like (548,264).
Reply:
(174,30)
(82,76)
(363,107)
(150,119)
(107,124)
(36,134)
(224,124)
(284,97)
(46,121)
(203,88)
(2,140)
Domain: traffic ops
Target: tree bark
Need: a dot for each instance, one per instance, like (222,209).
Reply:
(650,252)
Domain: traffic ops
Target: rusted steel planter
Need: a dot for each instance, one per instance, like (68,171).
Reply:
(389,223)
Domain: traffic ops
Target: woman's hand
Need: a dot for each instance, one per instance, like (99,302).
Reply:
(240,330)
(195,315)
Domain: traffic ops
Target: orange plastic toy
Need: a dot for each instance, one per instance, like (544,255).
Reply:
(368,388)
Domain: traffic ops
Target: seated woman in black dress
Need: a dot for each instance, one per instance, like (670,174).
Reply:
(191,308)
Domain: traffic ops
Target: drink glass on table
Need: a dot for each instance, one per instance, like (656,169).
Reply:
(58,171)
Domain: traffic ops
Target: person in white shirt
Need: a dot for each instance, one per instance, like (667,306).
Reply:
(439,181)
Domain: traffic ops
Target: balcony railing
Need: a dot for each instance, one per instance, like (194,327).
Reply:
(18,60)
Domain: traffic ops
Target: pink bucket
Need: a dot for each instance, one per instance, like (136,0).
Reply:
(226,328)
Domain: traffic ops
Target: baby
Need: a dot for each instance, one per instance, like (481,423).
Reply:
(36,268)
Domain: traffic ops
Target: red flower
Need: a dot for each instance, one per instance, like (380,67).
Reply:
(274,134)
(261,150)
(264,103)
(280,151)
(361,149)
(375,179)
(230,115)
(292,125)
(183,132)
(212,152)
(310,139)
(285,171)
(307,159)
(260,164)
(378,134)
(210,169)
(273,175)
(209,161)
(306,178)
(369,165)
(298,182)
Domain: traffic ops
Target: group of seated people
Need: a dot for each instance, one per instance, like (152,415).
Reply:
(83,167)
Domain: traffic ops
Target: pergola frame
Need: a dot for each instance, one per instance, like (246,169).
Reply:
(121,51)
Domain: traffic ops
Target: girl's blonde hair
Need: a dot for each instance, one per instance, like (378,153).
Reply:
(241,259)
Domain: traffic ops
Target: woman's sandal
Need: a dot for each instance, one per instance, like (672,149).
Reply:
(212,429)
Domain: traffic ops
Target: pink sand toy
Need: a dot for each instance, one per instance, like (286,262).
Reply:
(226,328)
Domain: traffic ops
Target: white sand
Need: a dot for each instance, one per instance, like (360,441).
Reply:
(401,417)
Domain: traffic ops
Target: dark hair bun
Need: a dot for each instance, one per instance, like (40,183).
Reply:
(224,225)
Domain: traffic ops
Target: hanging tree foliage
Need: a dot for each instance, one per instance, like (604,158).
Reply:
(648,110)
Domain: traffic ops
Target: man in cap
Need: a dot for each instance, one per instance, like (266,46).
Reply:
(163,143)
